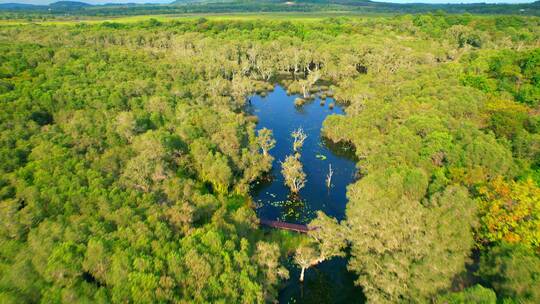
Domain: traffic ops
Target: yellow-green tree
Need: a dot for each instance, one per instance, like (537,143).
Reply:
(510,212)
(293,173)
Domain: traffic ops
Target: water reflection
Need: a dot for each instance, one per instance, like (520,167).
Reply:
(276,111)
(328,282)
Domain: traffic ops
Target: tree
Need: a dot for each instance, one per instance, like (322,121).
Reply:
(97,260)
(510,212)
(293,173)
(305,256)
(307,83)
(148,167)
(267,257)
(64,263)
(213,167)
(299,137)
(476,294)
(305,86)
(126,159)
(266,140)
(241,87)
(513,271)
(126,125)
(329,236)
(402,247)
(329,176)
(327,240)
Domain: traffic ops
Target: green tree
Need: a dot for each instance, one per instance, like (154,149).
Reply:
(326,240)
(126,125)
(266,140)
(328,235)
(293,173)
(476,294)
(304,257)
(267,257)
(149,166)
(404,247)
(513,271)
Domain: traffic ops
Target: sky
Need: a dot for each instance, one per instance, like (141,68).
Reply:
(44,2)
(169,1)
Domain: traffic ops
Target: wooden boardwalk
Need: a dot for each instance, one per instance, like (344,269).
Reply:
(285,226)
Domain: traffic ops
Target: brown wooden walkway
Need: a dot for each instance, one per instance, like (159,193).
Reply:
(285,226)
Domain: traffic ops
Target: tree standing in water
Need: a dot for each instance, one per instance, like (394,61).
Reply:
(329,176)
(327,241)
(304,257)
(307,83)
(299,137)
(293,172)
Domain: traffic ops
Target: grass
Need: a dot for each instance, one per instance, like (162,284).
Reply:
(293,16)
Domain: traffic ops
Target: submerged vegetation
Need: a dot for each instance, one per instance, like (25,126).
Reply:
(127,156)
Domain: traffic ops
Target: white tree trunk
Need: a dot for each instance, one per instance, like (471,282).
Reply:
(297,185)
(305,91)
(329,176)
(302,274)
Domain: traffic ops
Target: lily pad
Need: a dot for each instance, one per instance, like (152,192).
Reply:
(320,156)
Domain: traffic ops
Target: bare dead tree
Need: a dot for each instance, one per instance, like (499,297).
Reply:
(329,176)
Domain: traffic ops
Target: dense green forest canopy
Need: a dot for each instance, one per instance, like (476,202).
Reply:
(126,157)
(61,9)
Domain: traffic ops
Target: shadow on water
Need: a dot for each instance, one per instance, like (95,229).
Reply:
(329,282)
(340,149)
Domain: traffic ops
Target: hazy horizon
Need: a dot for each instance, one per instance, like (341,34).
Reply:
(45,2)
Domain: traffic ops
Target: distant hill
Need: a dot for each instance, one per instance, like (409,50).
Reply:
(205,1)
(120,4)
(17,6)
(60,5)
(69,4)
(330,2)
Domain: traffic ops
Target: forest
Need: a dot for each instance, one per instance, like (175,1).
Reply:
(76,9)
(127,158)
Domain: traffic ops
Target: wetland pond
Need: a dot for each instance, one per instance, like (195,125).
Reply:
(328,282)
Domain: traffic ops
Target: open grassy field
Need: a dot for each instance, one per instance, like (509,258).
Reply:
(305,17)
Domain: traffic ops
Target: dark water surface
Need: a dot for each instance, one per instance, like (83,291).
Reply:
(329,282)
(277,112)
